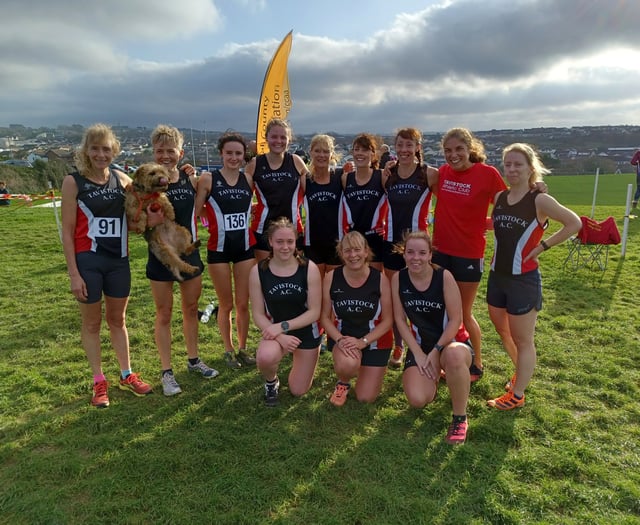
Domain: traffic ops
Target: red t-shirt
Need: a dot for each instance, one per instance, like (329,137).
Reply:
(461,210)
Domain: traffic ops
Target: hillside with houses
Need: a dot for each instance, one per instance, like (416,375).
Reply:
(575,150)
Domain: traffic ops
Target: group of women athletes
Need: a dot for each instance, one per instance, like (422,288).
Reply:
(368,270)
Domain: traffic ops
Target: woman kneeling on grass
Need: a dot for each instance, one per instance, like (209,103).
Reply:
(286,295)
(356,313)
(514,290)
(428,313)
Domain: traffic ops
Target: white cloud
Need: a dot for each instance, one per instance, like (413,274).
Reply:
(493,64)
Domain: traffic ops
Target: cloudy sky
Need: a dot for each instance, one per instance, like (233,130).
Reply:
(355,65)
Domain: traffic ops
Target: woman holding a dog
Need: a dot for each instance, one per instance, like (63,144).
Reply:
(167,143)
(286,296)
(279,179)
(94,240)
(227,194)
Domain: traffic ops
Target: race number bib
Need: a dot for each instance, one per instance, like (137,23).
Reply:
(105,227)
(235,221)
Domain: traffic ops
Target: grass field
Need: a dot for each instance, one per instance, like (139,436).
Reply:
(214,454)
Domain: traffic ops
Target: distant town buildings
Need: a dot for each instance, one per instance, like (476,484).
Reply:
(565,150)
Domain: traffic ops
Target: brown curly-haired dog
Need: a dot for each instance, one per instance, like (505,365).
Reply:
(167,240)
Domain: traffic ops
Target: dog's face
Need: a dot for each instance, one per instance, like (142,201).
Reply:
(150,178)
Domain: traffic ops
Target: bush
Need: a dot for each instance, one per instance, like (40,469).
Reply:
(34,180)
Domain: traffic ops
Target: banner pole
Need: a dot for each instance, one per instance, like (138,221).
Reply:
(595,192)
(625,230)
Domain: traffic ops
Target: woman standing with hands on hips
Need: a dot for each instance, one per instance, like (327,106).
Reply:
(286,297)
(95,244)
(357,316)
(428,311)
(227,194)
(514,291)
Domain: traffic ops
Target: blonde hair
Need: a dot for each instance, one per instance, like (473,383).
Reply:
(328,142)
(353,239)
(96,133)
(475,145)
(538,169)
(164,133)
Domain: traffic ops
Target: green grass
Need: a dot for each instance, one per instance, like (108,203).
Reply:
(214,455)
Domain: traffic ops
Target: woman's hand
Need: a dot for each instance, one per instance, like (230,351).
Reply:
(386,169)
(272,332)
(541,186)
(288,342)
(350,346)
(348,167)
(533,254)
(79,288)
(188,169)
(155,215)
(429,365)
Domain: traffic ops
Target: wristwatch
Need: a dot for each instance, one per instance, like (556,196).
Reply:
(438,347)
(285,326)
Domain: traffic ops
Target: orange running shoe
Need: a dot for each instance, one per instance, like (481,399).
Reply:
(100,398)
(136,385)
(339,396)
(511,383)
(506,401)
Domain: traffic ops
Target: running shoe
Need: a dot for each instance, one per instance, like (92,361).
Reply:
(511,383)
(396,357)
(475,373)
(135,385)
(206,371)
(246,358)
(232,362)
(271,393)
(339,396)
(100,398)
(506,401)
(170,386)
(457,433)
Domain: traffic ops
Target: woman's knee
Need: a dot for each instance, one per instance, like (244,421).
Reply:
(163,315)
(298,390)
(268,356)
(419,401)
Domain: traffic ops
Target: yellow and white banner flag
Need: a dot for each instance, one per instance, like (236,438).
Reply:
(275,99)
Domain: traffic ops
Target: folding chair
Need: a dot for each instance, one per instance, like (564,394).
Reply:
(590,247)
